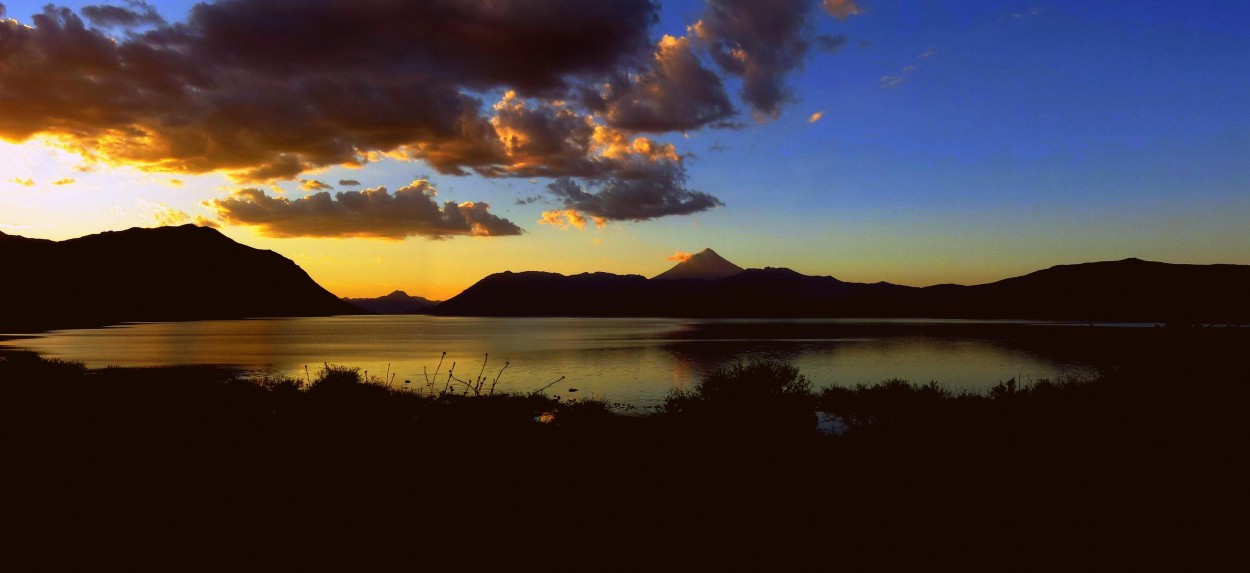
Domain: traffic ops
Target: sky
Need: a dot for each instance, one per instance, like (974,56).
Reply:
(424,145)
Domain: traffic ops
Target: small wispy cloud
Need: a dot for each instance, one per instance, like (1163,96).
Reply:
(842,9)
(313,185)
(349,183)
(23,181)
(815,117)
(679,256)
(893,81)
(888,82)
(65,181)
(1023,14)
(569,218)
(163,215)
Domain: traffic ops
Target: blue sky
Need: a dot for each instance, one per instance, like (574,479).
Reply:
(957,142)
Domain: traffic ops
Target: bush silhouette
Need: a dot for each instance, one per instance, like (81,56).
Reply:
(765,396)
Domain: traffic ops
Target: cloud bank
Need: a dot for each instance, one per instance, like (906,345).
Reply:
(265,90)
(377,213)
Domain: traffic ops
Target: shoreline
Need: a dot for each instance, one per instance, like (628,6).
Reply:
(187,454)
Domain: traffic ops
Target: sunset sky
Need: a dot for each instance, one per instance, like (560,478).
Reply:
(423,145)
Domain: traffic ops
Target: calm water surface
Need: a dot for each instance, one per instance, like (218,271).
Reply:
(634,361)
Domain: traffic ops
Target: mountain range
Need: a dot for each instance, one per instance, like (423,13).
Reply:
(398,302)
(1130,290)
(141,275)
(196,273)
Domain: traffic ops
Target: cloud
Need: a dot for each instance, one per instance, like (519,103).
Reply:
(762,41)
(163,215)
(677,93)
(565,218)
(349,183)
(815,117)
(313,185)
(1023,15)
(410,211)
(544,139)
(64,181)
(203,221)
(139,14)
(842,8)
(632,199)
(264,89)
(23,181)
(679,256)
(827,43)
(888,82)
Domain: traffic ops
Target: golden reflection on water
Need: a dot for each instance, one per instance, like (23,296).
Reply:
(683,374)
(629,360)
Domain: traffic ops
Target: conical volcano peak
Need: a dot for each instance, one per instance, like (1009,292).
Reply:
(705,264)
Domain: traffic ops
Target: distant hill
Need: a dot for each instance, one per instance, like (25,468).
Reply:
(705,264)
(398,302)
(1128,290)
(1125,290)
(139,275)
(534,293)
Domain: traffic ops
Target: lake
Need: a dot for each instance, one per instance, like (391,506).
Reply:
(633,361)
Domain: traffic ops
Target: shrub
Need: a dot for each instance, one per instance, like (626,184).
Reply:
(332,378)
(758,395)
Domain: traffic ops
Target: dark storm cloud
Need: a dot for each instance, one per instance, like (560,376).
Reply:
(541,139)
(138,14)
(410,211)
(761,41)
(827,43)
(676,93)
(532,46)
(266,89)
(639,199)
(263,90)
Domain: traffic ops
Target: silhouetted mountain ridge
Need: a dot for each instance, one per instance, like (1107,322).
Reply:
(141,275)
(397,302)
(1126,290)
(704,265)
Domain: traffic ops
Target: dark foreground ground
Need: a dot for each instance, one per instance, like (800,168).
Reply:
(1146,462)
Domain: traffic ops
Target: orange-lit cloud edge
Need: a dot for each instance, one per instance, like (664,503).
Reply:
(196,98)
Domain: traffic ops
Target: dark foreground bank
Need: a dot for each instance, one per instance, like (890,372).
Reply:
(1146,456)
